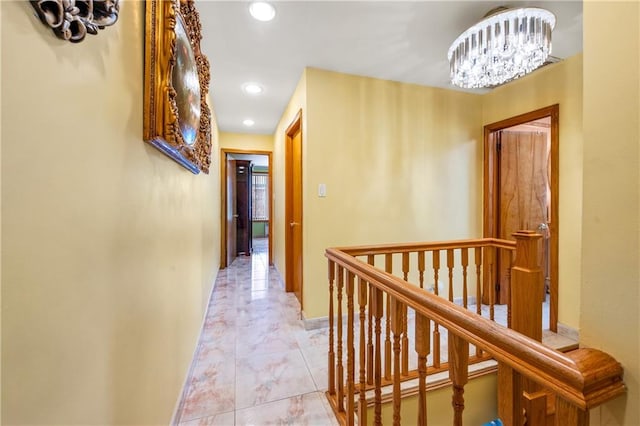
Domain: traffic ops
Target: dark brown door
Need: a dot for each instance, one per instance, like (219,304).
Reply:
(231,213)
(524,192)
(293,241)
(243,203)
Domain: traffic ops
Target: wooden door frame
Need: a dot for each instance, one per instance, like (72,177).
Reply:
(295,126)
(231,247)
(223,200)
(490,190)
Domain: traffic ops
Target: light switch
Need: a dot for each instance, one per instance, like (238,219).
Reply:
(322,190)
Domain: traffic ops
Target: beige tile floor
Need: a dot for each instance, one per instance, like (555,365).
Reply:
(255,364)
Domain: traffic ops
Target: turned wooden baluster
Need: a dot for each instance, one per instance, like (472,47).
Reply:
(396,326)
(388,267)
(509,280)
(478,259)
(362,302)
(377,310)
(351,389)
(423,347)
(458,374)
(405,266)
(436,330)
(405,325)
(340,375)
(492,283)
(450,266)
(332,355)
(370,261)
(464,259)
(421,267)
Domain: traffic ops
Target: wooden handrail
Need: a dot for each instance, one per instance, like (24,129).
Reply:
(584,378)
(365,250)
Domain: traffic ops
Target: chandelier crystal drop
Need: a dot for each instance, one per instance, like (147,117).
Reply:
(502,47)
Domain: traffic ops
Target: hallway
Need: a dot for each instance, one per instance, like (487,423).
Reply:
(255,363)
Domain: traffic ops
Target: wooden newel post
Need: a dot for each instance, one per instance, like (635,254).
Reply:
(527,286)
(601,381)
(527,289)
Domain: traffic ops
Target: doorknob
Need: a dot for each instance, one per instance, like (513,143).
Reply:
(236,215)
(292,224)
(543,229)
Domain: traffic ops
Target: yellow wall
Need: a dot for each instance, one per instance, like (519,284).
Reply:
(611,211)
(400,162)
(297,102)
(108,247)
(560,83)
(246,141)
(0,220)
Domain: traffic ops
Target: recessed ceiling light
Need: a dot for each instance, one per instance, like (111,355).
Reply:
(262,11)
(252,88)
(248,122)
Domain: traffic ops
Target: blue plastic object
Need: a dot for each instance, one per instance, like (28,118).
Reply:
(496,422)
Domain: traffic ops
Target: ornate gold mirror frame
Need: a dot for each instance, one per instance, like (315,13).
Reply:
(177,119)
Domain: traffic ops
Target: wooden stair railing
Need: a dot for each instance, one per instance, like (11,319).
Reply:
(467,266)
(531,375)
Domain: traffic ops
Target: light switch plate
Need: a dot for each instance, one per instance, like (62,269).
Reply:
(322,190)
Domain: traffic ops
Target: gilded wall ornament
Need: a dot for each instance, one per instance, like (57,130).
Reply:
(72,19)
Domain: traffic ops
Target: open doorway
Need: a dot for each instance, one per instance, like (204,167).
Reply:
(521,192)
(246,207)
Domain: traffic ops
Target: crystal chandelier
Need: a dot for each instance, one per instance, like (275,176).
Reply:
(505,45)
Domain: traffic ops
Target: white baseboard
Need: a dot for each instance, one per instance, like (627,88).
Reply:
(315,323)
(569,332)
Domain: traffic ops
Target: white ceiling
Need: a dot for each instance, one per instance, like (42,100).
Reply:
(404,41)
